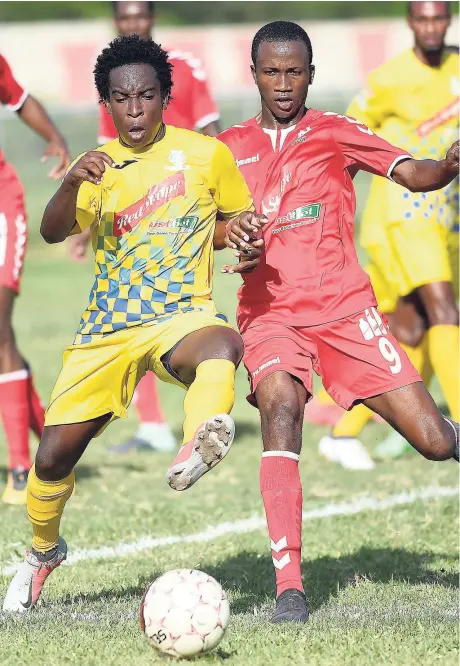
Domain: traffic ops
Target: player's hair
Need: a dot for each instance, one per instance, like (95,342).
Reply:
(281,31)
(409,8)
(150,7)
(129,51)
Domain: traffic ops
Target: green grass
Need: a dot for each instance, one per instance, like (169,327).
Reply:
(383,585)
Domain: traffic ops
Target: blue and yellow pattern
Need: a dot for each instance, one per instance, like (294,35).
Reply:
(152,223)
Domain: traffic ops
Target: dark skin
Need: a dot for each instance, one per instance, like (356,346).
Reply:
(283,72)
(136,104)
(431,304)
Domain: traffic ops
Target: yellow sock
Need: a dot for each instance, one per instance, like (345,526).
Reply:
(352,422)
(443,344)
(324,398)
(212,392)
(45,504)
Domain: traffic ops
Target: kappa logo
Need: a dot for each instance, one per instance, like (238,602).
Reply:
(124,164)
(178,161)
(158,195)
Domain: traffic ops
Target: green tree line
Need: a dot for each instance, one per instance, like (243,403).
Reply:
(199,13)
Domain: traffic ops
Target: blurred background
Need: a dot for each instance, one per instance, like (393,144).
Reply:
(52,46)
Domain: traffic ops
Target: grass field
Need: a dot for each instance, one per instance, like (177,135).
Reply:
(380,557)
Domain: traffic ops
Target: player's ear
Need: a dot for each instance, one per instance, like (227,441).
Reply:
(165,102)
(108,107)
(312,73)
(253,72)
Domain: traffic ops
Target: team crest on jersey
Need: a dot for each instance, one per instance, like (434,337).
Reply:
(178,161)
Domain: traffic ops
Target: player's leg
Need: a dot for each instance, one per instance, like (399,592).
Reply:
(153,433)
(20,407)
(413,413)
(49,486)
(280,370)
(205,361)
(443,338)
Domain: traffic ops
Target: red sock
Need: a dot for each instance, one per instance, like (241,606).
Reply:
(282,495)
(14,409)
(147,401)
(36,409)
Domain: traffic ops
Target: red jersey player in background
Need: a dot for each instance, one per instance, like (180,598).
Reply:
(309,306)
(20,406)
(191,107)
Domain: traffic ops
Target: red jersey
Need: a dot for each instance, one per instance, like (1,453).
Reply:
(191,106)
(12,94)
(301,178)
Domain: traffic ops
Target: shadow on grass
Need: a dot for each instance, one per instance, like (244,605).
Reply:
(252,575)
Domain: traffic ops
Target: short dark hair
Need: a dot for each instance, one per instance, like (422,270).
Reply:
(409,8)
(150,7)
(129,51)
(281,31)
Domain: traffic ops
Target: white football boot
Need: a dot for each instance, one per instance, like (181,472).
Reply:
(346,451)
(27,584)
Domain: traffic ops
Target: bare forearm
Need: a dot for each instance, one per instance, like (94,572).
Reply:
(35,116)
(59,216)
(424,175)
(219,236)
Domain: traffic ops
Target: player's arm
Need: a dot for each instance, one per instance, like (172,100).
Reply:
(35,116)
(428,175)
(73,207)
(234,204)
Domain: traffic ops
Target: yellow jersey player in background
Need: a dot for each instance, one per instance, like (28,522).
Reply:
(151,198)
(412,238)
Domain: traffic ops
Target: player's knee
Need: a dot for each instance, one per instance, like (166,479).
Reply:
(50,463)
(411,337)
(281,415)
(438,444)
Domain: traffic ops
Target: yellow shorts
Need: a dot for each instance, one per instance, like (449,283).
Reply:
(409,241)
(100,377)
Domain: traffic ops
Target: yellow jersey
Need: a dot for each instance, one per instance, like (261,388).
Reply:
(152,223)
(412,105)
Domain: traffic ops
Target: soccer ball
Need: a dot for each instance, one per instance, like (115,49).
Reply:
(184,613)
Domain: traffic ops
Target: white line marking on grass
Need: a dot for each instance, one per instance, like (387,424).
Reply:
(251,525)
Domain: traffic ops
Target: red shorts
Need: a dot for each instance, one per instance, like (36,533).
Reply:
(356,357)
(13,227)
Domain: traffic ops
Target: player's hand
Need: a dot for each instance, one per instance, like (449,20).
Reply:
(249,258)
(244,229)
(78,246)
(57,147)
(452,157)
(90,167)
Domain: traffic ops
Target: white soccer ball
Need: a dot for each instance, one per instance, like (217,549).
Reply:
(184,613)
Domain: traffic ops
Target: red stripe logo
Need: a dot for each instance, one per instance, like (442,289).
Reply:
(443,116)
(158,195)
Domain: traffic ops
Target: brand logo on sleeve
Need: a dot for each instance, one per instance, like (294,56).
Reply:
(158,195)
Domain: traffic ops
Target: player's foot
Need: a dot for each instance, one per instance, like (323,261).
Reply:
(347,451)
(16,486)
(211,443)
(153,437)
(323,414)
(394,446)
(291,606)
(27,584)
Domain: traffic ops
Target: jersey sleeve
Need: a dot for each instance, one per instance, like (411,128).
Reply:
(227,184)
(370,106)
(88,204)
(12,94)
(107,130)
(364,150)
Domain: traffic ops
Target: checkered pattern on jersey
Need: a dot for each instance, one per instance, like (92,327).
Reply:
(139,279)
